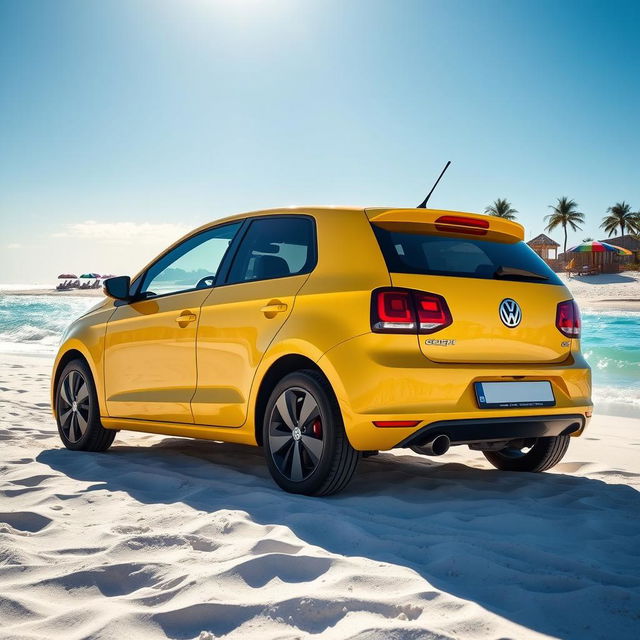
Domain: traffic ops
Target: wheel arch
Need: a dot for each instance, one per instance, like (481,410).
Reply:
(73,352)
(281,367)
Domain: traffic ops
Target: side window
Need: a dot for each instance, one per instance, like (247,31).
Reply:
(274,248)
(191,265)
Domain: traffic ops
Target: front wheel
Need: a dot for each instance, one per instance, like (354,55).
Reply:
(77,411)
(305,444)
(543,454)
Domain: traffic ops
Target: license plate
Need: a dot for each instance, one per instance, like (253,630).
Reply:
(504,395)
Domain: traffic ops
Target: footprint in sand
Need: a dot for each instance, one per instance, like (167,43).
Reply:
(25,520)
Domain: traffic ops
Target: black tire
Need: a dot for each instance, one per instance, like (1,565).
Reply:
(544,454)
(77,410)
(321,469)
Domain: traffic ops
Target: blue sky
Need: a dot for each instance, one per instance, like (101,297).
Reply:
(124,123)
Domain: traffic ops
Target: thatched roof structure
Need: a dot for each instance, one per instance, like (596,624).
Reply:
(543,240)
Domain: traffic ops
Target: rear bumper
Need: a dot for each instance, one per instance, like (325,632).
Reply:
(387,378)
(497,429)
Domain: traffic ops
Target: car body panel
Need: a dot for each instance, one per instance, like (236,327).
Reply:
(86,336)
(150,358)
(400,384)
(233,337)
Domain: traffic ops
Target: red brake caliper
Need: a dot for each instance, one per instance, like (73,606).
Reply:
(317,427)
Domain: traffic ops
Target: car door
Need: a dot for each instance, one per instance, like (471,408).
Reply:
(242,315)
(150,353)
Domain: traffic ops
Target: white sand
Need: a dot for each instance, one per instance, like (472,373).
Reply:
(171,537)
(619,291)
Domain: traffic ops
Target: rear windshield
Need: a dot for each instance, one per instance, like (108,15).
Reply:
(462,257)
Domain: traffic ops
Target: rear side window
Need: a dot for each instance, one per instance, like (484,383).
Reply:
(275,247)
(462,257)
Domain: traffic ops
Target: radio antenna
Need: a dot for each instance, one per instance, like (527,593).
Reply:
(423,204)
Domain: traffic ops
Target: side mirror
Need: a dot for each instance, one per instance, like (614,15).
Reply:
(117,288)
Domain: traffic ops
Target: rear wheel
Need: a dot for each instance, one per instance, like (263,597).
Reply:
(540,455)
(305,444)
(77,411)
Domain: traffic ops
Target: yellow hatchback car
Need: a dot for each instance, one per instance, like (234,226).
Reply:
(324,334)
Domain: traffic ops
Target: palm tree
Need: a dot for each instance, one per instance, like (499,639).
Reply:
(620,215)
(501,208)
(565,213)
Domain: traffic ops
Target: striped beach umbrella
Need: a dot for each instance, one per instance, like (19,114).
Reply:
(593,246)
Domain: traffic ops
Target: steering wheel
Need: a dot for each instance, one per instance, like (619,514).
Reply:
(205,282)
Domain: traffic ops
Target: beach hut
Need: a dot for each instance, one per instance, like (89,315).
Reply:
(546,248)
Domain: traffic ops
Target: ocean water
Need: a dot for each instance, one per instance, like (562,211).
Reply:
(610,342)
(611,345)
(34,324)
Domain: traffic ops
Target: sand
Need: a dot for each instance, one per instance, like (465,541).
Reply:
(613,291)
(168,537)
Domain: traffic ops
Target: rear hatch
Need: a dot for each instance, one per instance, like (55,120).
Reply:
(481,266)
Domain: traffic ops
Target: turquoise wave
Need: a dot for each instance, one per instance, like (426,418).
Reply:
(611,345)
(34,324)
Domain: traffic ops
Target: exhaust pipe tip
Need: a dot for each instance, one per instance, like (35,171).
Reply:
(440,445)
(436,447)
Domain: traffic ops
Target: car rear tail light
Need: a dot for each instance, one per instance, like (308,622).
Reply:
(568,319)
(408,311)
(433,312)
(462,224)
(393,311)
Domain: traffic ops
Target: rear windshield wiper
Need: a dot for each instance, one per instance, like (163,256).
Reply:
(506,272)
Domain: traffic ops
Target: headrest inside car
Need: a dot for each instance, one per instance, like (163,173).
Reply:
(270,267)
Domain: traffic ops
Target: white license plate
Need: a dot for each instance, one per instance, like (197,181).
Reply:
(503,395)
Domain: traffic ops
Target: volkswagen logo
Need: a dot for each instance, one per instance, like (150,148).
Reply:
(510,313)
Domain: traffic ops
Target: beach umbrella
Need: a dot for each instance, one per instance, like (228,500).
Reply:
(91,276)
(622,251)
(110,275)
(67,276)
(593,246)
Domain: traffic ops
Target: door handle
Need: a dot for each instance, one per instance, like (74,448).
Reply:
(274,307)
(186,317)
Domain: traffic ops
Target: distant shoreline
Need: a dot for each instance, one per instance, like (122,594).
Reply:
(88,293)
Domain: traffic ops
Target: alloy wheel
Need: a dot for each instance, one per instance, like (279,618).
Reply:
(73,406)
(296,435)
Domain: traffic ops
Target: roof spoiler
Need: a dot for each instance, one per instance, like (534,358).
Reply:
(447,223)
